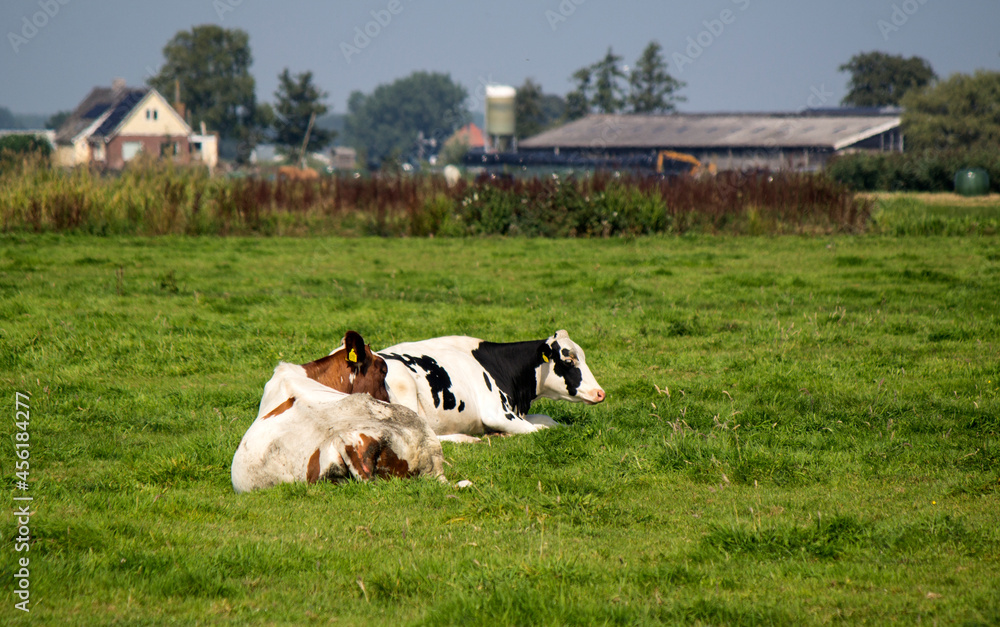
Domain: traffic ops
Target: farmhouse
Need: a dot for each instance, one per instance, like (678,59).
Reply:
(729,141)
(111,126)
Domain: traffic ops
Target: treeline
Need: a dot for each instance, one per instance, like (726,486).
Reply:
(155,199)
(923,171)
(408,119)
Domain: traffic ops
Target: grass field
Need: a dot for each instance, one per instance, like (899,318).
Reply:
(908,213)
(797,431)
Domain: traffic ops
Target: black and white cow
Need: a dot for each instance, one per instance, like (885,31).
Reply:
(464,385)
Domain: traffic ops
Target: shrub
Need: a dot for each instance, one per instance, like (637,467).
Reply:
(925,171)
(15,148)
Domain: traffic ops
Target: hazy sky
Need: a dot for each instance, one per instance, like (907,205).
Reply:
(734,55)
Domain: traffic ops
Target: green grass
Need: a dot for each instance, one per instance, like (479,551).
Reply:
(797,431)
(899,213)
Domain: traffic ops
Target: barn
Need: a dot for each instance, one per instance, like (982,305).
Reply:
(729,141)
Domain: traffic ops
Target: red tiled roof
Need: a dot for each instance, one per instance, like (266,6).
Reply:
(472,134)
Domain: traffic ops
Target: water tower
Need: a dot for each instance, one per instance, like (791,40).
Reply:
(500,117)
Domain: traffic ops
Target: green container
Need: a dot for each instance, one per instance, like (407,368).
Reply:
(972,182)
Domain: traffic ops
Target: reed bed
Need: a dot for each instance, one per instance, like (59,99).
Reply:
(154,199)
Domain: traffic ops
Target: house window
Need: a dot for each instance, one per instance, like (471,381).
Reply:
(130,150)
(147,114)
(170,149)
(154,114)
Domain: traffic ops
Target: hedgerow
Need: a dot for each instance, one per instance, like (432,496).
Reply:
(154,199)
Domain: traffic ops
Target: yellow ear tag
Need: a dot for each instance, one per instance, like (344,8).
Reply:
(545,358)
(352,357)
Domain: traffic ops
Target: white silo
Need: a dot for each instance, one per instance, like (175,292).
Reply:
(500,118)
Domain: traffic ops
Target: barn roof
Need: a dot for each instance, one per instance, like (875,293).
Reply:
(715,130)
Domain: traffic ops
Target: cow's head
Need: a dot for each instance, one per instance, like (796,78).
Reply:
(563,372)
(353,369)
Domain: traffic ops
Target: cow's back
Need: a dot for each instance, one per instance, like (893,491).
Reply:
(442,382)
(319,436)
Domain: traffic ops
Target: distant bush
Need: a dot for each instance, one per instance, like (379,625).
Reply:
(930,171)
(14,148)
(150,198)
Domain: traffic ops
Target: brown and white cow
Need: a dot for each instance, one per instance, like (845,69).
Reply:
(327,420)
(352,369)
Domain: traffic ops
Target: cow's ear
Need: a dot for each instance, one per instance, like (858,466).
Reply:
(544,352)
(354,348)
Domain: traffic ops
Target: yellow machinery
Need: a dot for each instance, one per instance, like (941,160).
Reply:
(697,169)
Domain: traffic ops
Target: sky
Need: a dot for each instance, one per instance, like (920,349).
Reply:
(733,55)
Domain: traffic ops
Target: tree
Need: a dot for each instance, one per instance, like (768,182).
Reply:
(535,111)
(609,95)
(961,112)
(599,87)
(56,119)
(454,149)
(578,100)
(527,109)
(879,79)
(212,65)
(553,108)
(297,100)
(651,87)
(389,120)
(7,119)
